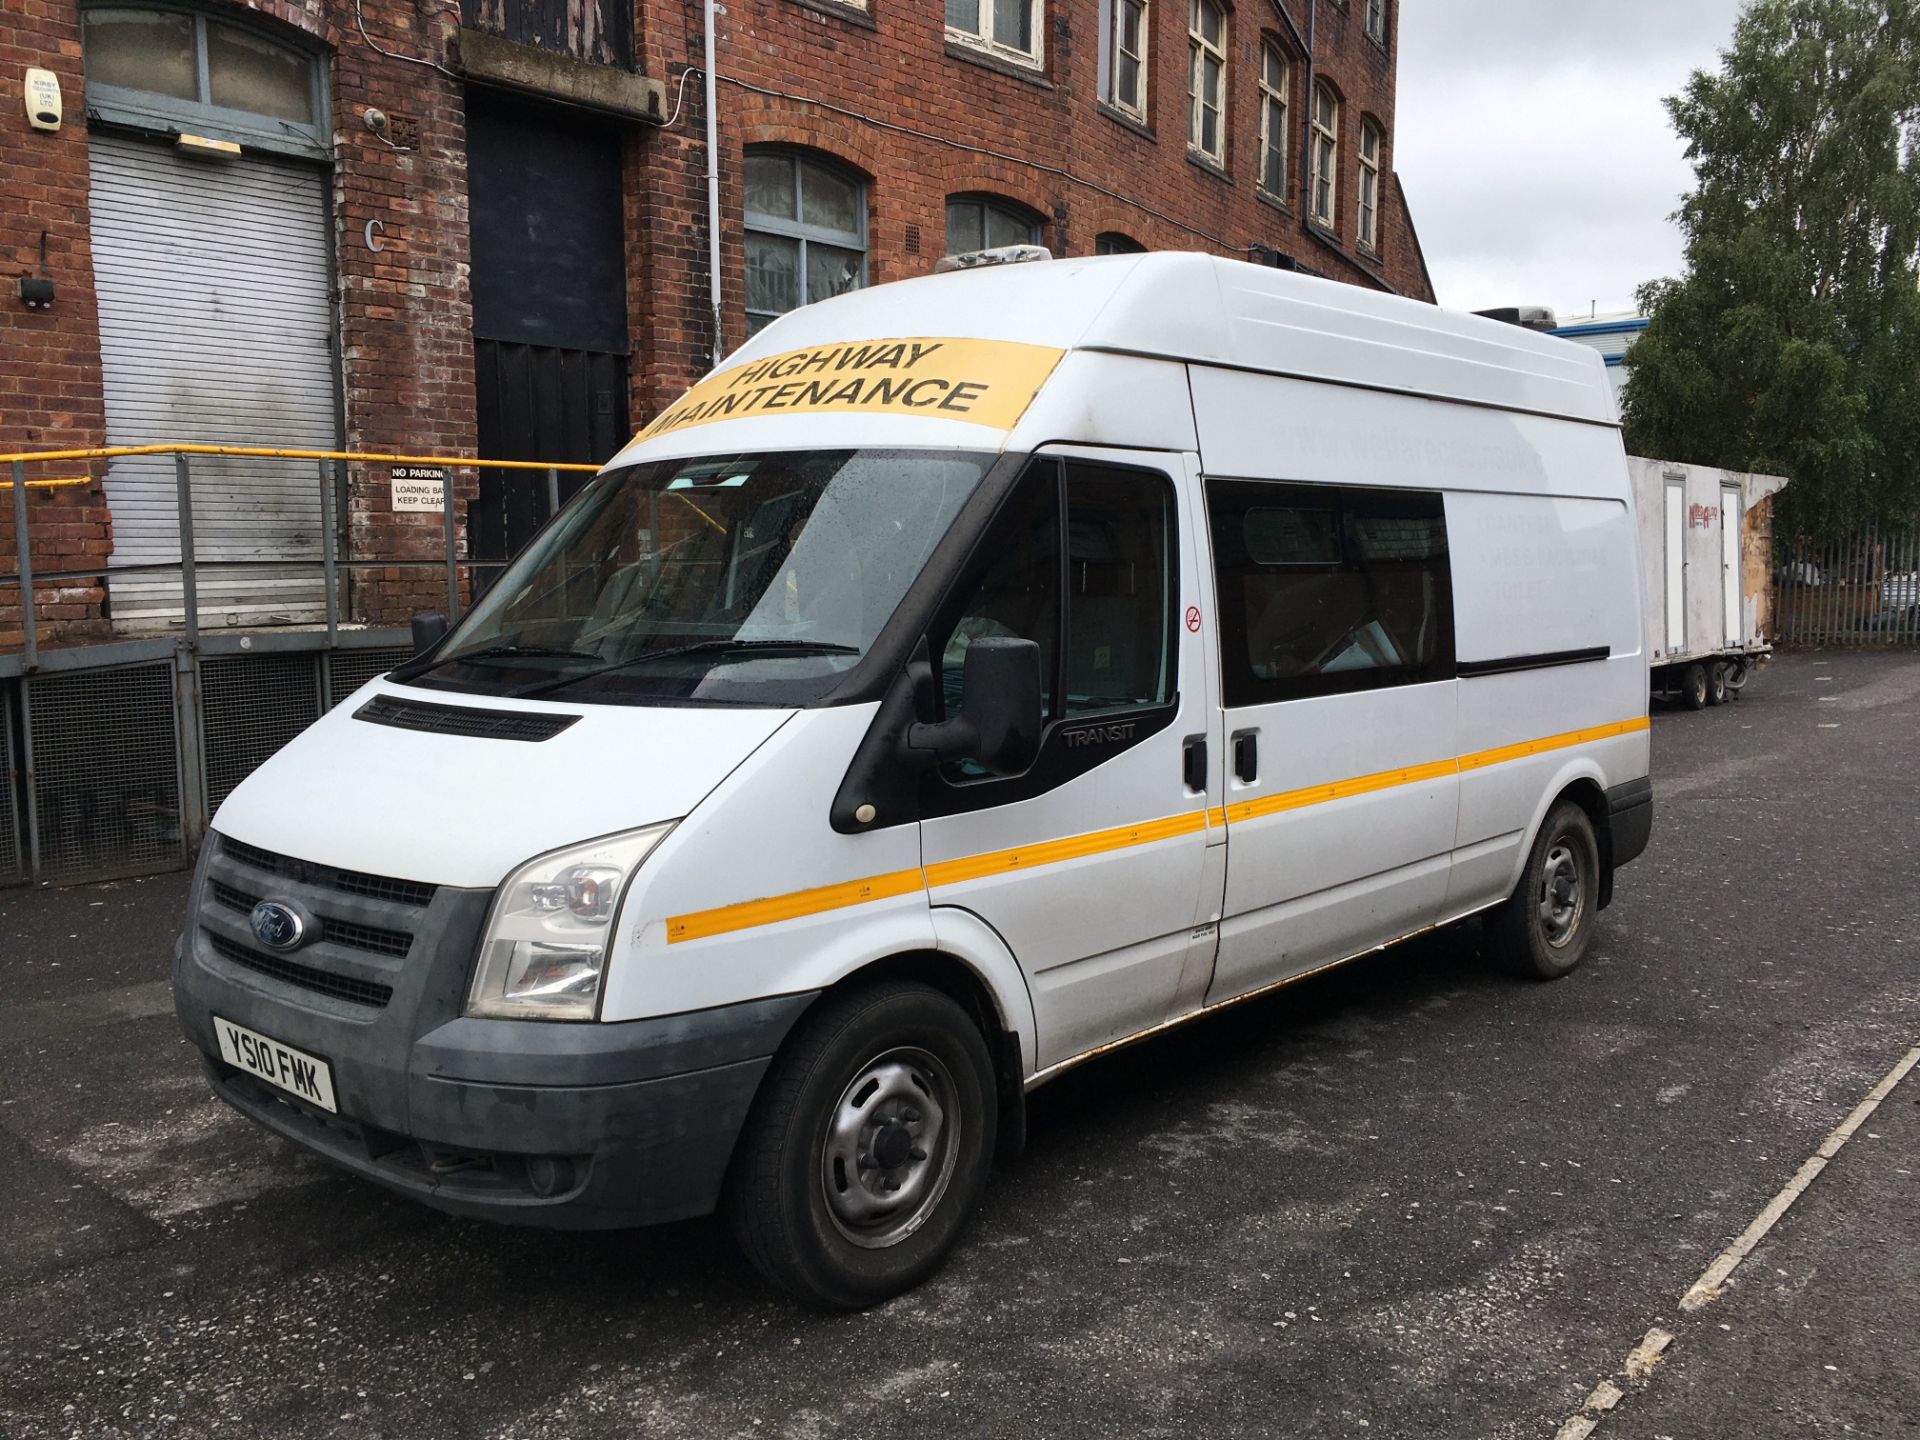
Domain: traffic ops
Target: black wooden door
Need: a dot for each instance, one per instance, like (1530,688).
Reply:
(549,306)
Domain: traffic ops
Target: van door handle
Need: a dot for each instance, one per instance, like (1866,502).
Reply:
(1193,762)
(1246,757)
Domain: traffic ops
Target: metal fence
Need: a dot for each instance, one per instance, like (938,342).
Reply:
(115,756)
(1861,591)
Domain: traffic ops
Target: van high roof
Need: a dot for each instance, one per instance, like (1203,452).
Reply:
(1208,310)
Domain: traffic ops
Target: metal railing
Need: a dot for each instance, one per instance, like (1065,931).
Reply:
(115,753)
(1864,590)
(331,471)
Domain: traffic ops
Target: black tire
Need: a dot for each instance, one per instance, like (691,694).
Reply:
(1717,683)
(895,1062)
(1693,687)
(1540,933)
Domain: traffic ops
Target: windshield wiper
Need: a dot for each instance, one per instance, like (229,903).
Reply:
(756,649)
(507,651)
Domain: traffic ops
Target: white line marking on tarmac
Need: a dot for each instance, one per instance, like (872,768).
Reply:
(1712,1282)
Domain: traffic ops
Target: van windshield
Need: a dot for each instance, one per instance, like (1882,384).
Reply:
(754,578)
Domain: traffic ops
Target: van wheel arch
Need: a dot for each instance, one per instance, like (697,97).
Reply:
(958,981)
(1587,794)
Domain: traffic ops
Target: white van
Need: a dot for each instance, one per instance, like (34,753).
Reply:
(976,673)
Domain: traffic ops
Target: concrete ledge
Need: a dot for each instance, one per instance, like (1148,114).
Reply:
(482,56)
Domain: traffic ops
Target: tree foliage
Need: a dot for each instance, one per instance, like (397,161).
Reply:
(1792,343)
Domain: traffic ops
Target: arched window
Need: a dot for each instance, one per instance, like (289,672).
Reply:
(1112,242)
(1326,154)
(159,68)
(981,222)
(1207,80)
(1275,78)
(806,233)
(1367,233)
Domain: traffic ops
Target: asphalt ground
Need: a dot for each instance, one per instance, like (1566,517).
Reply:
(1409,1198)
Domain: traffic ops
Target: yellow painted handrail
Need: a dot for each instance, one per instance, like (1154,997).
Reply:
(261,452)
(50,484)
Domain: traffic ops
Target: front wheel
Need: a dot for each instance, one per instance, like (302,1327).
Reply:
(867,1148)
(1543,929)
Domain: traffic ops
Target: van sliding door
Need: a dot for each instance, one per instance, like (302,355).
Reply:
(1337,674)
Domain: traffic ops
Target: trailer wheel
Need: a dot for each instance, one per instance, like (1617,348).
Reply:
(1693,687)
(1543,929)
(867,1148)
(1717,683)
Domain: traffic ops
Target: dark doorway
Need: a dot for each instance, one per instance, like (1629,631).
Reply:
(549,306)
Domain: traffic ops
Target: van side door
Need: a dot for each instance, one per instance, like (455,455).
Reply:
(1337,677)
(1093,865)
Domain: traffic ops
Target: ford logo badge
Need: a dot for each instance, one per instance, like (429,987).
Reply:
(277,926)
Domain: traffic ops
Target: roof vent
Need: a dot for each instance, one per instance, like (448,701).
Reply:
(1003,255)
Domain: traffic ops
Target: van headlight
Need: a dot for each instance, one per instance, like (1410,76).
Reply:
(544,951)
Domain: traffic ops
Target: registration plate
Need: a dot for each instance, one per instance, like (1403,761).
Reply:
(294,1071)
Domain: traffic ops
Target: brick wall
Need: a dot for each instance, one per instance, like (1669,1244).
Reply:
(49,359)
(1056,149)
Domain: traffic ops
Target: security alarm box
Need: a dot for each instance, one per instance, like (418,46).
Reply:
(43,99)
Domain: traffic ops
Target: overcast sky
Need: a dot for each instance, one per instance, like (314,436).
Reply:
(1536,155)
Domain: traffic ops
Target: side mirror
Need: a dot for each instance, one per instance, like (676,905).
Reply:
(998,727)
(427,632)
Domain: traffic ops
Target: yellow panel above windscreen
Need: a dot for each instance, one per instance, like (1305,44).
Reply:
(980,382)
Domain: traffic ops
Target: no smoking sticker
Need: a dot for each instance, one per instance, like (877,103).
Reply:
(1193,618)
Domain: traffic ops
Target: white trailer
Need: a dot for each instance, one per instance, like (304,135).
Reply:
(1705,540)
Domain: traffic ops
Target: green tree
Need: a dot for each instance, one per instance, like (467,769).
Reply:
(1792,343)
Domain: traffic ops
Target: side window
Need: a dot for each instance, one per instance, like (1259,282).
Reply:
(1325,590)
(1119,591)
(1097,595)
(1017,593)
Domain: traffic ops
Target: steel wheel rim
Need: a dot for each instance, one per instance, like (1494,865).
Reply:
(890,1147)
(1563,899)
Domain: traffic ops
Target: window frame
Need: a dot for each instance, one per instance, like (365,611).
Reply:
(152,112)
(1103,244)
(983,41)
(1112,12)
(1325,172)
(1272,144)
(1373,144)
(1240,688)
(1375,21)
(1199,48)
(1059,759)
(1000,204)
(799,230)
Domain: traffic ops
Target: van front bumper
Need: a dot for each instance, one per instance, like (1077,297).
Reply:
(580,1126)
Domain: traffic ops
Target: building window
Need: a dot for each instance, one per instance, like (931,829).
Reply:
(806,233)
(976,222)
(1112,242)
(1377,20)
(1009,28)
(1367,235)
(153,69)
(1123,55)
(1326,155)
(1206,80)
(1274,81)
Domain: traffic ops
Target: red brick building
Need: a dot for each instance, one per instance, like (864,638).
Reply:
(481,228)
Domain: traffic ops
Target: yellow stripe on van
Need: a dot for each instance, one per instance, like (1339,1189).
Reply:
(750,914)
(983,382)
(771,911)
(1073,847)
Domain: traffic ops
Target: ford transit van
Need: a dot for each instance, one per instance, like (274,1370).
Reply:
(973,674)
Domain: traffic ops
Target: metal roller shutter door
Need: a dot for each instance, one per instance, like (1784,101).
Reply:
(215,326)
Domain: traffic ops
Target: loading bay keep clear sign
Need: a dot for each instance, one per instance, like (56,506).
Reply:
(419,487)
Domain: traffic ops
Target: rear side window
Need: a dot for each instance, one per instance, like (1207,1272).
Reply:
(1325,590)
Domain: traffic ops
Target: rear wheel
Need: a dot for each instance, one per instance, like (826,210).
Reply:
(868,1147)
(1717,683)
(1543,929)
(1693,687)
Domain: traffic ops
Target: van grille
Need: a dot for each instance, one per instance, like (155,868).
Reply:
(307,977)
(350,882)
(528,725)
(341,932)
